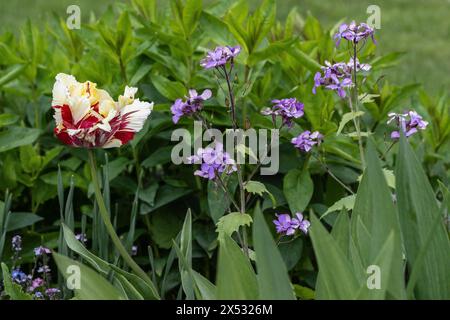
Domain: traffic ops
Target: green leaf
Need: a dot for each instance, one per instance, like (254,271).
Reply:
(17,136)
(172,90)
(344,203)
(259,188)
(191,14)
(218,202)
(236,279)
(374,219)
(304,293)
(298,189)
(346,118)
(145,289)
(232,222)
(305,60)
(273,278)
(418,209)
(19,220)
(12,73)
(7,119)
(336,274)
(389,175)
(92,285)
(13,290)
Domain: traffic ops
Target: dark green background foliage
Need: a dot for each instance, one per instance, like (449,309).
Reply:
(157,46)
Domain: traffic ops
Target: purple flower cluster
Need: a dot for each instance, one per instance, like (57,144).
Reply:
(287,225)
(214,161)
(354,32)
(192,104)
(288,109)
(40,251)
(306,140)
(409,123)
(220,56)
(338,76)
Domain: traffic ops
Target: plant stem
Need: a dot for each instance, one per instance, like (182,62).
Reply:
(355,98)
(333,176)
(106,220)
(239,168)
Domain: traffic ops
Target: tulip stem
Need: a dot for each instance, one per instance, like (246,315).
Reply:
(106,220)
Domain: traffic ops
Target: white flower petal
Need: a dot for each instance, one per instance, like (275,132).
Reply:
(135,115)
(79,107)
(113,143)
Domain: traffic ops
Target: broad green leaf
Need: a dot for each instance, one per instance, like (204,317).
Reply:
(18,220)
(92,285)
(12,73)
(13,290)
(236,279)
(374,218)
(298,189)
(346,118)
(231,223)
(389,175)
(7,119)
(337,279)
(418,209)
(172,90)
(206,288)
(344,203)
(305,60)
(273,278)
(15,137)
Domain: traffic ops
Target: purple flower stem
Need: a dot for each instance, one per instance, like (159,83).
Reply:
(239,168)
(356,108)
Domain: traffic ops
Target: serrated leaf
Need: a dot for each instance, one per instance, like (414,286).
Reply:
(231,223)
(259,188)
(346,118)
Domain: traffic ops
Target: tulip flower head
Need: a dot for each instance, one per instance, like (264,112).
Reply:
(87,117)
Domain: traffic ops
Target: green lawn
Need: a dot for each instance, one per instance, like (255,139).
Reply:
(420,28)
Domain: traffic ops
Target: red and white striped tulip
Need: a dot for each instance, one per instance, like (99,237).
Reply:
(87,117)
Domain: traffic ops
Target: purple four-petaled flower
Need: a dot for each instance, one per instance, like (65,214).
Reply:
(220,56)
(288,109)
(192,104)
(306,140)
(354,33)
(213,161)
(409,123)
(287,225)
(39,251)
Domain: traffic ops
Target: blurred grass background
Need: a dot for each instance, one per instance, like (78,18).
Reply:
(418,27)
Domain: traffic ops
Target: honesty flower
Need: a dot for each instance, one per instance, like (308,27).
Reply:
(338,76)
(39,251)
(354,32)
(306,140)
(88,117)
(44,269)
(193,104)
(286,225)
(220,56)
(214,161)
(288,109)
(408,122)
